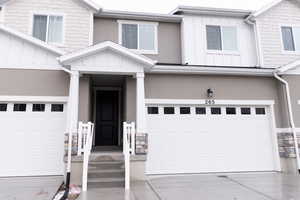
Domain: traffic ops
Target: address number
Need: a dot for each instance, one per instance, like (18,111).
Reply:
(210,102)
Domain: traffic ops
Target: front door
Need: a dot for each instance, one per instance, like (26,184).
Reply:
(107,118)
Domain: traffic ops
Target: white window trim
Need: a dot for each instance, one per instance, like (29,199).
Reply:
(283,51)
(48,14)
(52,99)
(141,51)
(222,52)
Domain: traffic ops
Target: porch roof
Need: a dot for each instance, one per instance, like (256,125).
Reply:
(106,56)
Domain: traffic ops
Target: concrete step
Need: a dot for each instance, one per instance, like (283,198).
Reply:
(106,165)
(106,174)
(109,156)
(106,182)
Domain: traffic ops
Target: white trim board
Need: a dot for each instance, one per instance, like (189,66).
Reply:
(60,99)
(204,102)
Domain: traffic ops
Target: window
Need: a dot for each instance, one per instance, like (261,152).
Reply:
(290,38)
(152,110)
(222,38)
(48,28)
(200,110)
(185,110)
(139,36)
(169,110)
(20,107)
(57,108)
(3,107)
(38,107)
(216,111)
(245,111)
(230,111)
(260,111)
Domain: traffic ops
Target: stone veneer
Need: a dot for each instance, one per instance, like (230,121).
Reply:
(286,145)
(74,144)
(141,143)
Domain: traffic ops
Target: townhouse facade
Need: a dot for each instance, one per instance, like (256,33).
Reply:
(210,90)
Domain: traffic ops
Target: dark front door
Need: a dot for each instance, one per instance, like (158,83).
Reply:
(107,118)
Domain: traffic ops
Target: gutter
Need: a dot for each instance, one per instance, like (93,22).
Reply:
(291,118)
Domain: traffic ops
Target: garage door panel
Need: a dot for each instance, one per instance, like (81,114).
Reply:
(209,143)
(34,142)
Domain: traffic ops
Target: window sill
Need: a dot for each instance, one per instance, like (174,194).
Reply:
(234,53)
(297,53)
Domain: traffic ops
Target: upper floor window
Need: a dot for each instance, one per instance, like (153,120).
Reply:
(48,28)
(141,36)
(291,38)
(221,38)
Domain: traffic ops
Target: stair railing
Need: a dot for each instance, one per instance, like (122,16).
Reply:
(128,148)
(85,141)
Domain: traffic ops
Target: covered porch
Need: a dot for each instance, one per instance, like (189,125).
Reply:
(107,89)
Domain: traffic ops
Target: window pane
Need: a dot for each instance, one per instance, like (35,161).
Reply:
(185,110)
(152,110)
(57,108)
(245,111)
(55,30)
(230,111)
(39,27)
(3,107)
(213,35)
(146,37)
(287,38)
(19,107)
(296,34)
(38,107)
(201,111)
(129,36)
(169,110)
(229,38)
(260,111)
(215,111)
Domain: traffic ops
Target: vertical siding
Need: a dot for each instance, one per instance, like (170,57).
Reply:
(18,15)
(194,48)
(285,13)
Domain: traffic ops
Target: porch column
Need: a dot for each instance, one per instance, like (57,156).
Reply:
(140,104)
(72,112)
(141,131)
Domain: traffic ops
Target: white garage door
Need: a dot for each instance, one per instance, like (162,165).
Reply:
(203,139)
(32,139)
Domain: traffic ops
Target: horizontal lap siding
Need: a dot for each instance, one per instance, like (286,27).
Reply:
(286,13)
(18,15)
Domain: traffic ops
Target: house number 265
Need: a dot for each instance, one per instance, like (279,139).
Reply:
(210,102)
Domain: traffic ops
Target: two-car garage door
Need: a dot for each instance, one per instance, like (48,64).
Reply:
(32,138)
(203,139)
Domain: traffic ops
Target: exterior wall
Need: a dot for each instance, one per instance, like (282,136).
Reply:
(17,82)
(284,14)
(169,42)
(84,99)
(195,43)
(18,15)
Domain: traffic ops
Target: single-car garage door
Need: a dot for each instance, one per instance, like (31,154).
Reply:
(203,139)
(32,139)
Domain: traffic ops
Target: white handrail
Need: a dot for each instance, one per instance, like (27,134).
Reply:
(128,148)
(85,135)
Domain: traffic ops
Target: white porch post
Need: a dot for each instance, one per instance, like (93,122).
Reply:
(72,113)
(140,104)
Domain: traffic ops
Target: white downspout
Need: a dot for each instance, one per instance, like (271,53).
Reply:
(291,118)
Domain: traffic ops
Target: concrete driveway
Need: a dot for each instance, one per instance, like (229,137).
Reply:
(29,188)
(259,186)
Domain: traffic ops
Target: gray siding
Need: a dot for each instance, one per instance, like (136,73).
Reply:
(286,13)
(33,82)
(169,42)
(18,15)
(195,86)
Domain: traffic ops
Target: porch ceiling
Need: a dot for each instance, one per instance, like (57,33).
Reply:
(107,57)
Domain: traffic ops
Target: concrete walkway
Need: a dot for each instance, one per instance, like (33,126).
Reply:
(29,188)
(260,186)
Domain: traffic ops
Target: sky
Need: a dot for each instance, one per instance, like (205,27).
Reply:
(165,6)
